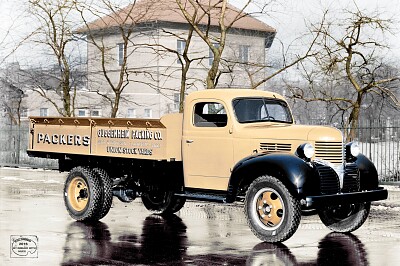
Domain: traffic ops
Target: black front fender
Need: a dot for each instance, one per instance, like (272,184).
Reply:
(368,173)
(292,171)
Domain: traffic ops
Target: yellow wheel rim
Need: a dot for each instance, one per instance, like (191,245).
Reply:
(270,208)
(78,193)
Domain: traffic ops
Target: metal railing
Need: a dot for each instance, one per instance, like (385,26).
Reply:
(379,141)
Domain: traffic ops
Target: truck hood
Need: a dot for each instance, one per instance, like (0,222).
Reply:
(290,132)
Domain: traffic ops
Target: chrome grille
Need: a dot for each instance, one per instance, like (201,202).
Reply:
(329,151)
(276,147)
(351,179)
(328,180)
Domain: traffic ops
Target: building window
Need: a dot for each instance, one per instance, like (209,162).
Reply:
(180,48)
(211,54)
(82,112)
(24,112)
(131,113)
(148,113)
(96,113)
(120,53)
(244,53)
(44,112)
(177,98)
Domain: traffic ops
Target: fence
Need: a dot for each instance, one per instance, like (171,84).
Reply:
(379,141)
(13,146)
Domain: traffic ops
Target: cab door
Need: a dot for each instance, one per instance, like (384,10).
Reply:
(208,147)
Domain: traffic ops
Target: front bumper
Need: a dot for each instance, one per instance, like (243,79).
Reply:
(345,198)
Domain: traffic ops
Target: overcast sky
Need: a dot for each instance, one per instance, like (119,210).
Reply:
(288,17)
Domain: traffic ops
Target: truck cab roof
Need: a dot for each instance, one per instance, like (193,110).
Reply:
(230,94)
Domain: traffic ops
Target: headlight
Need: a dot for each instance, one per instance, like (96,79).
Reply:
(355,149)
(305,151)
(352,150)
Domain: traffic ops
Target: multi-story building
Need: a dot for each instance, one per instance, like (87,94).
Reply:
(152,76)
(159,33)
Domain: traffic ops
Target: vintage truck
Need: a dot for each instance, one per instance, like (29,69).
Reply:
(229,145)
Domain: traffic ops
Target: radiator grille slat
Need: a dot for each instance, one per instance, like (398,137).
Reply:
(276,147)
(329,151)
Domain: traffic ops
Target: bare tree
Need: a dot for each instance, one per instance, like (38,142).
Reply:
(9,42)
(348,53)
(11,100)
(211,10)
(56,33)
(111,18)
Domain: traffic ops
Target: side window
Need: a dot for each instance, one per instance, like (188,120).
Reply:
(120,54)
(211,54)
(209,114)
(44,112)
(244,53)
(180,48)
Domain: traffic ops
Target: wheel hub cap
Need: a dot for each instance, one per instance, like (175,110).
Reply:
(270,209)
(78,193)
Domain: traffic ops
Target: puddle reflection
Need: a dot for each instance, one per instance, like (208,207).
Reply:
(163,240)
(333,249)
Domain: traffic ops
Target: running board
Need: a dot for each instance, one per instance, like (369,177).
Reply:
(202,197)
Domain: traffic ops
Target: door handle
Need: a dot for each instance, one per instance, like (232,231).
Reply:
(189,141)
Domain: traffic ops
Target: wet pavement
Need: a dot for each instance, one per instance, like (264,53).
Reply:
(33,216)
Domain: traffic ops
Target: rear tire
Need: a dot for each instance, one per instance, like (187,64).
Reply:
(83,194)
(272,213)
(162,202)
(345,218)
(106,195)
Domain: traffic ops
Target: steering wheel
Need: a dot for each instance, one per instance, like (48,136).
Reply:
(269,118)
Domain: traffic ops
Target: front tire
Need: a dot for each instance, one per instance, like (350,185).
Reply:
(272,213)
(83,194)
(345,218)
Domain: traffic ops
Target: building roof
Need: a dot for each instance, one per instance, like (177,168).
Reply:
(145,11)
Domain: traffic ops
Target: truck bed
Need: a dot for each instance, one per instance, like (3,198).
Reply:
(154,139)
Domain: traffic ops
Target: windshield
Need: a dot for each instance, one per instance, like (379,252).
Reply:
(250,110)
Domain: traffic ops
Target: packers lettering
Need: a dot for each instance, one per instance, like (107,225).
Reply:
(61,139)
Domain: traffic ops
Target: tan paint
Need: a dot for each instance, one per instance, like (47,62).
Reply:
(208,153)
(139,138)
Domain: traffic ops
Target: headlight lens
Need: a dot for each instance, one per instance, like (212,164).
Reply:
(352,151)
(308,150)
(355,149)
(305,151)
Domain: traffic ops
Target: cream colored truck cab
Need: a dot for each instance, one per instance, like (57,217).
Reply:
(230,145)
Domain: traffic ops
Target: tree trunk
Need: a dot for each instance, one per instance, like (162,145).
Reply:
(212,73)
(352,124)
(114,109)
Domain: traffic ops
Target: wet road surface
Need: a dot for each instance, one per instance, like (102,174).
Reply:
(32,207)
